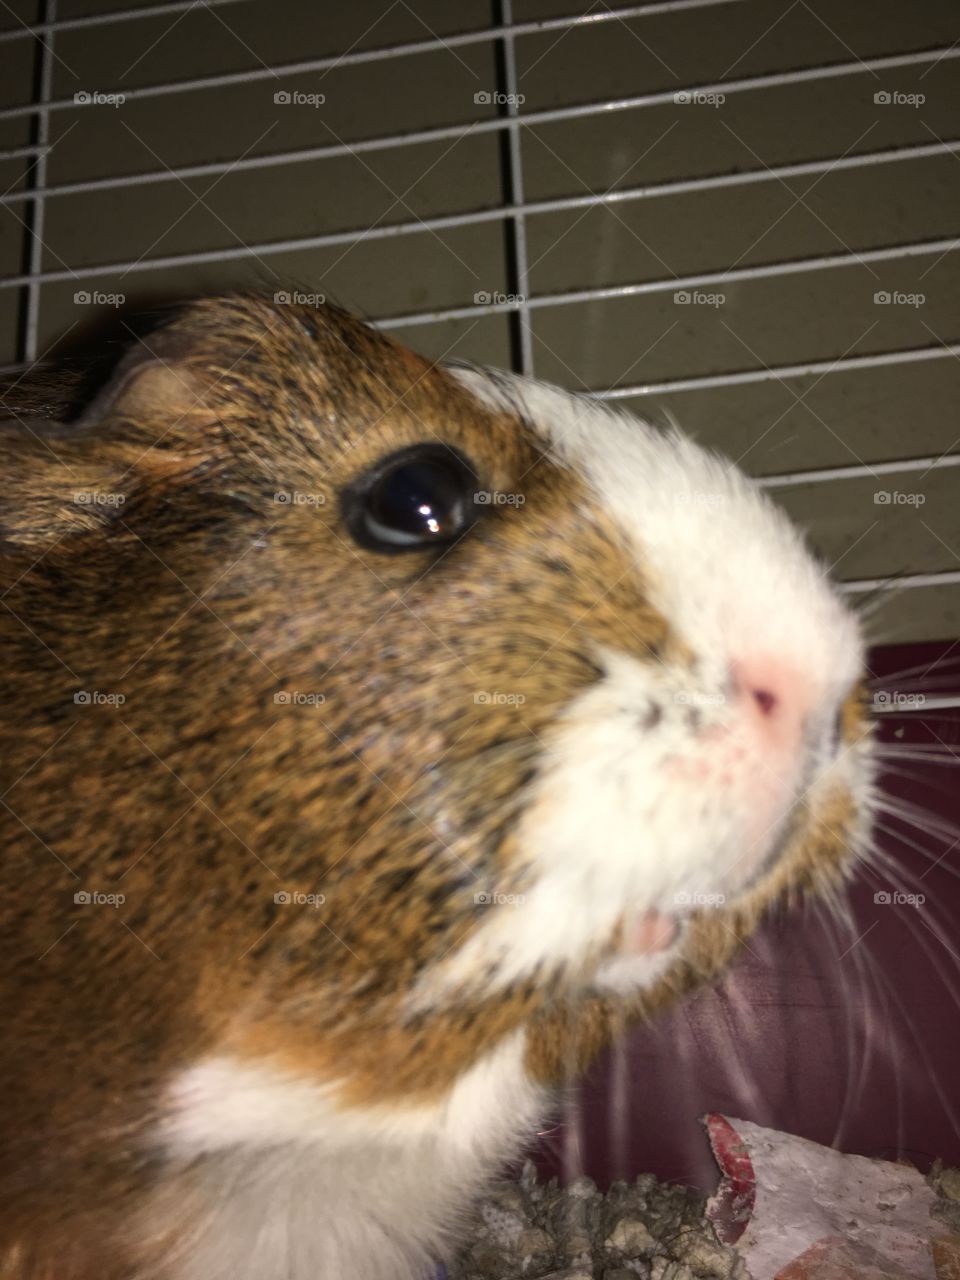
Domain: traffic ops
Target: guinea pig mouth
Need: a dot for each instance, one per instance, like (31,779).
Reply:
(648,934)
(653,932)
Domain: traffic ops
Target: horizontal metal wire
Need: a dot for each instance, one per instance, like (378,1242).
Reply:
(779,373)
(668,187)
(411,48)
(18,153)
(459,38)
(931,702)
(104,19)
(906,582)
(547,115)
(859,471)
(598,293)
(680,284)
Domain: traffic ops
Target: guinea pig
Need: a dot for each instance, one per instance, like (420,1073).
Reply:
(379,737)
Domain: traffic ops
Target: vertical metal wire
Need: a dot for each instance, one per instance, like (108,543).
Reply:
(38,175)
(619,1113)
(573,1144)
(514,195)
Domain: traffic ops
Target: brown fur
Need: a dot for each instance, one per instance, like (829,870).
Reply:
(198,599)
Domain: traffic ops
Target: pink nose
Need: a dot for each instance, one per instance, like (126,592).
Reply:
(775,695)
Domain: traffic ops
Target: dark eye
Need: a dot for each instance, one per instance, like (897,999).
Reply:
(418,497)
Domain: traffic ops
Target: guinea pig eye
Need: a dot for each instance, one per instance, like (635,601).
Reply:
(417,497)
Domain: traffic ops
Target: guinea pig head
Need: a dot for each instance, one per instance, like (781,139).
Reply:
(401,704)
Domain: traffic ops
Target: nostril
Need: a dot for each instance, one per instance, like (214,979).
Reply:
(763,685)
(773,696)
(772,693)
(765,700)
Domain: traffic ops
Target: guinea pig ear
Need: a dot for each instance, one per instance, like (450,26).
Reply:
(142,430)
(151,387)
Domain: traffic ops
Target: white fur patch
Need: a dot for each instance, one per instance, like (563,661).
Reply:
(686,812)
(298,1187)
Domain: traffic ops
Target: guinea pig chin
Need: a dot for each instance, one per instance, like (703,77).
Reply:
(660,795)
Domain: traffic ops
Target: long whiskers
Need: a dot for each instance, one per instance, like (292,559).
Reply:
(924,668)
(832,920)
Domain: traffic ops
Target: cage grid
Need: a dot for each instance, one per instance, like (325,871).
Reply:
(514,209)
